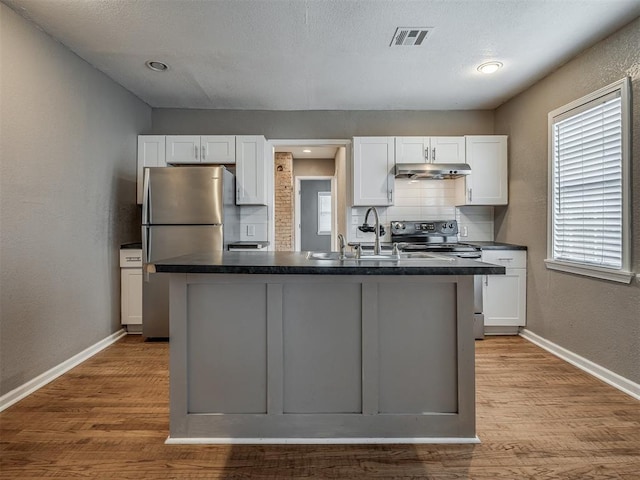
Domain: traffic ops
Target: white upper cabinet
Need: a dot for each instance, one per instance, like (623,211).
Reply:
(209,149)
(430,149)
(251,174)
(488,182)
(218,149)
(183,149)
(448,150)
(161,150)
(151,153)
(373,171)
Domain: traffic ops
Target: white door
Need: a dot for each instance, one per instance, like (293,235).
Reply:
(131,296)
(503,299)
(412,149)
(373,165)
(151,153)
(251,178)
(183,149)
(448,150)
(218,149)
(487,184)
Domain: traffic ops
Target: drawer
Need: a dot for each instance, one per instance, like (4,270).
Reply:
(130,258)
(507,258)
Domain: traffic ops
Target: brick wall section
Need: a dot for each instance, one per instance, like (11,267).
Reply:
(283,166)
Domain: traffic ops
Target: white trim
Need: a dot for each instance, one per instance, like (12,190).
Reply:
(311,143)
(319,441)
(623,384)
(621,276)
(41,380)
(622,85)
(272,144)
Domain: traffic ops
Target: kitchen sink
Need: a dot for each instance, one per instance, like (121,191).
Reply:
(349,256)
(333,256)
(328,256)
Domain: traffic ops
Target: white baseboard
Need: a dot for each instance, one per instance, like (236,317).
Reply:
(621,383)
(318,441)
(41,380)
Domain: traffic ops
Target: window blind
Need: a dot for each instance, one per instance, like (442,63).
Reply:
(587,184)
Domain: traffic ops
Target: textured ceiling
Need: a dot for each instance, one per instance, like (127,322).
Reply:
(326,54)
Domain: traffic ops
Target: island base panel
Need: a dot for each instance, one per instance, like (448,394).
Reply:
(297,356)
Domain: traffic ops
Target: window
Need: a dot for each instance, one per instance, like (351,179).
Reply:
(589,218)
(324,213)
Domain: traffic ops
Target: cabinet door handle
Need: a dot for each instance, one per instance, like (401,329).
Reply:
(486,280)
(470,196)
(390,196)
(195,151)
(203,156)
(426,155)
(506,259)
(433,154)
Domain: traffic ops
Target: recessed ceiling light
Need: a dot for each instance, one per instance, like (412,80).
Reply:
(306,150)
(156,66)
(490,67)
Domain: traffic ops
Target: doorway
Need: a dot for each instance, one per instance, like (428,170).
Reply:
(309,160)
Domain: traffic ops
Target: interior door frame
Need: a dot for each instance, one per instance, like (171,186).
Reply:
(271,149)
(296,209)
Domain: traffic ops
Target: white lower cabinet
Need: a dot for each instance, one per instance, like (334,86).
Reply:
(131,289)
(504,297)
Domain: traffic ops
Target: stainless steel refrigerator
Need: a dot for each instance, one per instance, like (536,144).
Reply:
(185,210)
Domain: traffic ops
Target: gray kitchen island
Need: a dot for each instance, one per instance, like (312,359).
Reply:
(278,347)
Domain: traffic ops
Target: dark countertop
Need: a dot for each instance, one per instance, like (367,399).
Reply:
(496,245)
(133,245)
(274,263)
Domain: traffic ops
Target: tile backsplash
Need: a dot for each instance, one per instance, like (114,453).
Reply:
(254,222)
(426,200)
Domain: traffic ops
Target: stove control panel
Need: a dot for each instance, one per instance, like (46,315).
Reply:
(424,227)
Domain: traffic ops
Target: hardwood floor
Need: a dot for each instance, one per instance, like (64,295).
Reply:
(538,418)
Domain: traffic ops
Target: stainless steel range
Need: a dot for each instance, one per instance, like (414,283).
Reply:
(440,236)
(431,236)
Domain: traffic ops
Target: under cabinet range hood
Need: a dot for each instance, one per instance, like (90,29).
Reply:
(432,171)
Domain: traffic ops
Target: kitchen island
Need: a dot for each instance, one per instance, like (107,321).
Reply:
(278,347)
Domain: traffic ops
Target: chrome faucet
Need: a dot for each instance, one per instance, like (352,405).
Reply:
(342,246)
(376,245)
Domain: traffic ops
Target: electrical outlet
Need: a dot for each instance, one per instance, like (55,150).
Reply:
(465,232)
(251,230)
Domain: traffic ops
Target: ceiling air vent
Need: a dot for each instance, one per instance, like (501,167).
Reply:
(410,36)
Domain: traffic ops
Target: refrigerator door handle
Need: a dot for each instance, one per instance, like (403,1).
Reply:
(146,198)
(146,234)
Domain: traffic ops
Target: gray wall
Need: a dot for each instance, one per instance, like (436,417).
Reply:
(67,191)
(320,124)
(320,167)
(597,319)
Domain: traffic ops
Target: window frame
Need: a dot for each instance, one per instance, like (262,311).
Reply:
(322,195)
(623,275)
